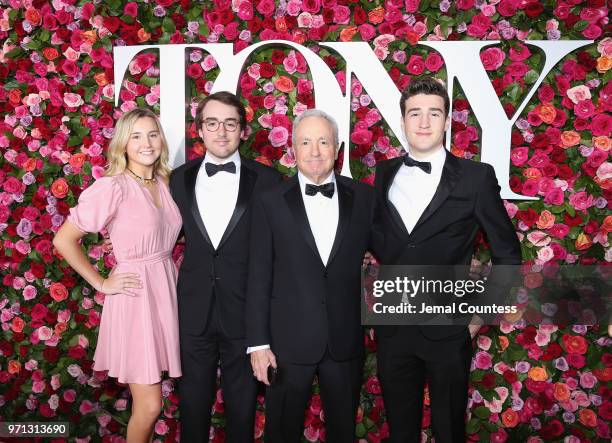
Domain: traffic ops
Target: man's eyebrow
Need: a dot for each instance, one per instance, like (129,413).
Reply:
(429,109)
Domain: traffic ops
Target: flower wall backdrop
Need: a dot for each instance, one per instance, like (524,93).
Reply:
(56,101)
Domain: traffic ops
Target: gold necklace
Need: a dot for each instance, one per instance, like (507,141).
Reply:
(142,180)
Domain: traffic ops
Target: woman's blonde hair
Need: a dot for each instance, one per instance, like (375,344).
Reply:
(116,152)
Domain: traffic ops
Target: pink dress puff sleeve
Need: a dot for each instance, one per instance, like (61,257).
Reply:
(97,205)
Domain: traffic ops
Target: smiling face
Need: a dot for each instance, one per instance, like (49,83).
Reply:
(424,124)
(221,143)
(315,148)
(144,147)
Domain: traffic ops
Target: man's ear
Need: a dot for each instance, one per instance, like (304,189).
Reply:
(340,146)
(447,123)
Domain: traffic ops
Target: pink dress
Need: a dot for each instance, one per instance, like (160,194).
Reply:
(138,336)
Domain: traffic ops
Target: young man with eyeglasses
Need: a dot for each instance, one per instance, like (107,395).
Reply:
(214,195)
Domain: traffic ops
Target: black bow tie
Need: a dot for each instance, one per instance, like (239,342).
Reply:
(212,169)
(327,189)
(425,166)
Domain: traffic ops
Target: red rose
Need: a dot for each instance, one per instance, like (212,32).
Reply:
(372,386)
(58,292)
(551,430)
(195,70)
(266,7)
(533,9)
(266,70)
(415,65)
(506,8)
(434,62)
(131,9)
(574,343)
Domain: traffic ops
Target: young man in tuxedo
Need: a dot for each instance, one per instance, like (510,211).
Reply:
(303,299)
(214,195)
(432,205)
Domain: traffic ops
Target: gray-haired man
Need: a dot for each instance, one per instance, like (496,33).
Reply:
(303,298)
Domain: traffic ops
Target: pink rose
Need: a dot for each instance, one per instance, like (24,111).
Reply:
(538,238)
(69,395)
(584,108)
(519,53)
(245,10)
(554,197)
(305,20)
(483,342)
(294,7)
(311,433)
(161,427)
(416,65)
(29,292)
(290,63)
(483,360)
(434,62)
(411,6)
(581,200)
(604,172)
(361,137)
(558,230)
(86,407)
(311,6)
(372,117)
(601,124)
(578,93)
(367,32)
(492,58)
(545,254)
(44,333)
(342,14)
(559,251)
(592,32)
(587,380)
(278,136)
(72,100)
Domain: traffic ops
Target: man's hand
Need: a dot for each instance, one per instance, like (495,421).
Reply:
(260,360)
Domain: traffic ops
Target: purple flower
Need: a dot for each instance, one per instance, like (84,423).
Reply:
(554,34)
(57,220)
(28,178)
(159,11)
(561,364)
(522,367)
(535,423)
(445,5)
(24,228)
(369,160)
(569,417)
(579,329)
(522,124)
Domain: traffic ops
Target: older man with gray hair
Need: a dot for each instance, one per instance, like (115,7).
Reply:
(309,236)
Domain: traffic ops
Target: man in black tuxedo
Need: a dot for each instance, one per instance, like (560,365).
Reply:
(309,236)
(214,195)
(432,205)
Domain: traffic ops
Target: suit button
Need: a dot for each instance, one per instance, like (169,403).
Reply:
(216,254)
(325,274)
(323,301)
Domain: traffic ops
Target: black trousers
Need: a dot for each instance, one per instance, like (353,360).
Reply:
(286,401)
(200,355)
(406,360)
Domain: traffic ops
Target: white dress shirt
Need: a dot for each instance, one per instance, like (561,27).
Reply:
(323,214)
(413,188)
(217,196)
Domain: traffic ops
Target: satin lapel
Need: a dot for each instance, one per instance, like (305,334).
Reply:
(345,209)
(451,174)
(191,175)
(248,178)
(293,197)
(387,182)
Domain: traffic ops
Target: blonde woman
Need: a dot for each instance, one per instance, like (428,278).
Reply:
(138,337)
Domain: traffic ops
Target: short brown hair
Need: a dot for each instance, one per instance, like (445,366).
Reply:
(428,86)
(224,97)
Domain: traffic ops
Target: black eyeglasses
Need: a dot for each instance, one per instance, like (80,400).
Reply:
(212,124)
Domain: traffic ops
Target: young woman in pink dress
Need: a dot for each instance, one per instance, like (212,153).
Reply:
(138,337)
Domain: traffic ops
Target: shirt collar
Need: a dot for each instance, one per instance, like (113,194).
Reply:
(305,180)
(235,157)
(436,159)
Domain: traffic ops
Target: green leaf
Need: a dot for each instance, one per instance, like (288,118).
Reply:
(531,77)
(482,412)
(581,25)
(15,53)
(473,426)
(168,25)
(12,85)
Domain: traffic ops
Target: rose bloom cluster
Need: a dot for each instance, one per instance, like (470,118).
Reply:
(528,383)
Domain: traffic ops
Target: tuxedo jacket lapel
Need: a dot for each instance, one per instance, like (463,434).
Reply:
(294,200)
(345,209)
(248,178)
(451,174)
(191,176)
(387,182)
